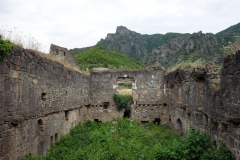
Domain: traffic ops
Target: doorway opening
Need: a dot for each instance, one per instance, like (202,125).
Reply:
(157,121)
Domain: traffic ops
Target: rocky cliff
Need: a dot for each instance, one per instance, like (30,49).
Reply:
(170,48)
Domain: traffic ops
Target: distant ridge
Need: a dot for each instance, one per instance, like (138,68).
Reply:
(167,49)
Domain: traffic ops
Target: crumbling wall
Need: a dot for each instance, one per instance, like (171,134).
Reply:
(148,90)
(64,55)
(41,100)
(207,98)
(36,95)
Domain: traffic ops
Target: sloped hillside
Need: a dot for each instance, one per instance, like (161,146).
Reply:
(102,57)
(168,49)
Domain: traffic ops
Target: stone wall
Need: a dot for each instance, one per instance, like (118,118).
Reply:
(64,55)
(207,98)
(36,96)
(41,100)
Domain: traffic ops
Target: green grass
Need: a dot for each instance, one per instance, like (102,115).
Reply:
(124,139)
(125,86)
(102,57)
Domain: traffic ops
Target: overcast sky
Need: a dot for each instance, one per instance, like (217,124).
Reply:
(82,23)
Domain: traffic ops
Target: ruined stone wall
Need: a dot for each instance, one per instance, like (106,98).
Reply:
(207,98)
(40,101)
(148,95)
(64,55)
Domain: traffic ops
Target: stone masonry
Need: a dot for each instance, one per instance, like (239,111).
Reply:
(41,100)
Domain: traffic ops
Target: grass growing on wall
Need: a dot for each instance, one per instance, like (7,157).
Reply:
(124,139)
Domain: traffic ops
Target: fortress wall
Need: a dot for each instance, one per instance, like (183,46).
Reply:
(34,88)
(42,100)
(195,100)
(148,95)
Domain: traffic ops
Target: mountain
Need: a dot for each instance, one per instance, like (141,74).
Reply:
(170,48)
(134,44)
(102,57)
(187,47)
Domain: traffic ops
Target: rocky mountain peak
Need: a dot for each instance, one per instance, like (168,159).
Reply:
(123,30)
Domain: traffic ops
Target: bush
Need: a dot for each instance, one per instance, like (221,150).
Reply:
(126,139)
(122,102)
(6,48)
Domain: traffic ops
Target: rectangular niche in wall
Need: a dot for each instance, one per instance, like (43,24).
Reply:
(106,105)
(205,119)
(56,137)
(215,126)
(51,139)
(66,115)
(224,128)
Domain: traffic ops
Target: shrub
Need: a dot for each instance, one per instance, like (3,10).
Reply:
(122,102)
(6,48)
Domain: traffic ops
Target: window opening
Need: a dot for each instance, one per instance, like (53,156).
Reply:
(44,97)
(66,115)
(56,137)
(224,128)
(40,125)
(215,126)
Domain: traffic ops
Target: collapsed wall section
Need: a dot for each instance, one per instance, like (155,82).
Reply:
(40,101)
(207,98)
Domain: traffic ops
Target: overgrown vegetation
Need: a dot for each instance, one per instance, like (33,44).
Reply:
(122,102)
(6,48)
(102,57)
(233,46)
(18,38)
(124,139)
(125,86)
(188,64)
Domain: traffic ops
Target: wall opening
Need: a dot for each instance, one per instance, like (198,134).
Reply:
(126,114)
(200,78)
(205,120)
(64,53)
(66,115)
(189,116)
(97,120)
(157,121)
(44,97)
(170,120)
(179,123)
(125,88)
(215,126)
(224,128)
(106,105)
(196,118)
(51,139)
(56,137)
(40,125)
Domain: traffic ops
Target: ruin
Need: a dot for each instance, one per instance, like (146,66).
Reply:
(41,100)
